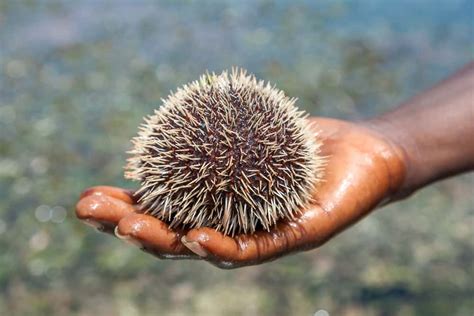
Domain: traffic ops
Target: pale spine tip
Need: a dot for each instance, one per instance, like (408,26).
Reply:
(228,152)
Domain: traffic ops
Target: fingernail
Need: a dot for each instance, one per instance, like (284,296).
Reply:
(194,246)
(127,238)
(91,223)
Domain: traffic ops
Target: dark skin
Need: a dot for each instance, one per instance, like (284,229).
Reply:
(369,163)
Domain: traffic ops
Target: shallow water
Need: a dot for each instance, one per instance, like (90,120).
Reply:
(76,80)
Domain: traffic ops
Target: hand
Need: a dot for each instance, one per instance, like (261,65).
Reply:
(364,168)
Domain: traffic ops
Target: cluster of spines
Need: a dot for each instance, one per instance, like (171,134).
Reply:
(228,152)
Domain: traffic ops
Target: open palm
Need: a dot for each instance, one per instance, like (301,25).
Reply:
(363,169)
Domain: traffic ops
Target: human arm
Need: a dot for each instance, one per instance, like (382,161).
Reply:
(370,162)
(435,131)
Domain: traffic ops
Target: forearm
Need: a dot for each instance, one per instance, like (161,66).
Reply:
(435,131)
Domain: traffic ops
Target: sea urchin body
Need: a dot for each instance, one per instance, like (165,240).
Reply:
(227,152)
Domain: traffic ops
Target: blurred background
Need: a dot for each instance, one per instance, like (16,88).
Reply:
(76,78)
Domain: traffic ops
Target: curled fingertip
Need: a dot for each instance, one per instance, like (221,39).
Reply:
(202,235)
(194,246)
(127,238)
(83,208)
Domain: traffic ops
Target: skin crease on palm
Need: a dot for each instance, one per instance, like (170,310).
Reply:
(368,164)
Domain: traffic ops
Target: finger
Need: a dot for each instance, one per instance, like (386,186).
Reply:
(228,252)
(231,252)
(118,193)
(314,227)
(102,211)
(153,236)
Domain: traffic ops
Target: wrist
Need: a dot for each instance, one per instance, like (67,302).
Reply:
(399,144)
(431,147)
(433,131)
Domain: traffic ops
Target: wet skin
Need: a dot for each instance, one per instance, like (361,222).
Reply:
(363,169)
(428,138)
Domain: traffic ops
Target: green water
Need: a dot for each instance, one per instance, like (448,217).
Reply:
(76,78)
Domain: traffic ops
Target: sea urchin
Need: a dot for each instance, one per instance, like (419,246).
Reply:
(227,152)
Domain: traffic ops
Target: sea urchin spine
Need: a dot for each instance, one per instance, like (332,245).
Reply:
(227,152)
